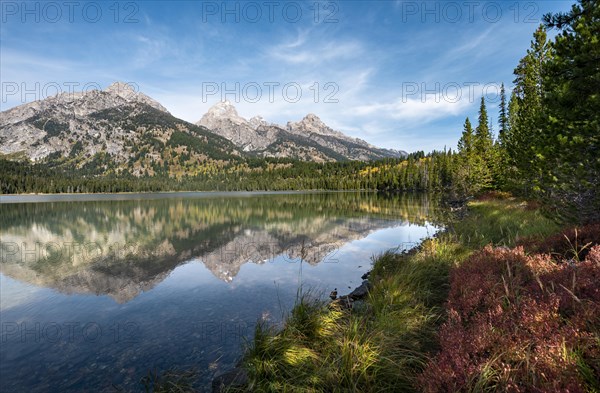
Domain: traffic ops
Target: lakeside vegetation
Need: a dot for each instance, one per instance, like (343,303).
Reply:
(507,298)
(452,316)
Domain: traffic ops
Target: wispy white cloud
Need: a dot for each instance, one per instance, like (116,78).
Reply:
(17,59)
(305,49)
(422,110)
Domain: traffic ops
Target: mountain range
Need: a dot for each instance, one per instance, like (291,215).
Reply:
(120,130)
(308,139)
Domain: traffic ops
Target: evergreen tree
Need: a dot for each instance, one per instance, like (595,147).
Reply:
(471,174)
(483,140)
(501,171)
(482,164)
(464,172)
(465,143)
(570,146)
(503,115)
(523,138)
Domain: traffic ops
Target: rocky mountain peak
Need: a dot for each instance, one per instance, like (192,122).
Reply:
(221,113)
(258,121)
(94,121)
(223,119)
(312,124)
(313,119)
(128,92)
(122,89)
(223,109)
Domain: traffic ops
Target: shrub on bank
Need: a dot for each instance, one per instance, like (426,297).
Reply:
(511,319)
(520,323)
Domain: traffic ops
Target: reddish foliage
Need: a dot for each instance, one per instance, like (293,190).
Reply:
(519,320)
(594,255)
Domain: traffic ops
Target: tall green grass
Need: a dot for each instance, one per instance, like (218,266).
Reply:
(502,222)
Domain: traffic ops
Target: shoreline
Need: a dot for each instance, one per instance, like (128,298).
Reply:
(392,341)
(76,197)
(237,379)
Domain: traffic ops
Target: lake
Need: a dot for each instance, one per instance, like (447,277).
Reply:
(97,290)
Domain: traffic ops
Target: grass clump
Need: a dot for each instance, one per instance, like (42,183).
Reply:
(319,349)
(502,222)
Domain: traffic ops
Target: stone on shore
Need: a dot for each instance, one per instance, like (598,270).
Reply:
(236,378)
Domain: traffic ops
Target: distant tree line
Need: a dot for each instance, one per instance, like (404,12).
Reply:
(428,173)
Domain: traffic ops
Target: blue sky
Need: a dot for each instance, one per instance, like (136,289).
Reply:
(399,74)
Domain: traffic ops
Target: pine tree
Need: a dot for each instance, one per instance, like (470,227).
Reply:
(522,140)
(465,144)
(472,174)
(570,146)
(464,174)
(503,115)
(483,161)
(501,170)
(483,141)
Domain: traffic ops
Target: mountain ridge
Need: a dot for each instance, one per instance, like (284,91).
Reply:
(272,140)
(110,131)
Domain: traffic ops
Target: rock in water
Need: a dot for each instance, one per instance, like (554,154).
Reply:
(360,292)
(333,294)
(236,378)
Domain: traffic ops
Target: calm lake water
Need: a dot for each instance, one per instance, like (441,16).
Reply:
(95,291)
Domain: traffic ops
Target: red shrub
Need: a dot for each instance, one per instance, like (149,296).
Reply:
(519,323)
(594,255)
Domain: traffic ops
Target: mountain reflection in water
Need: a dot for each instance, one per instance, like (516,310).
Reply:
(121,248)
